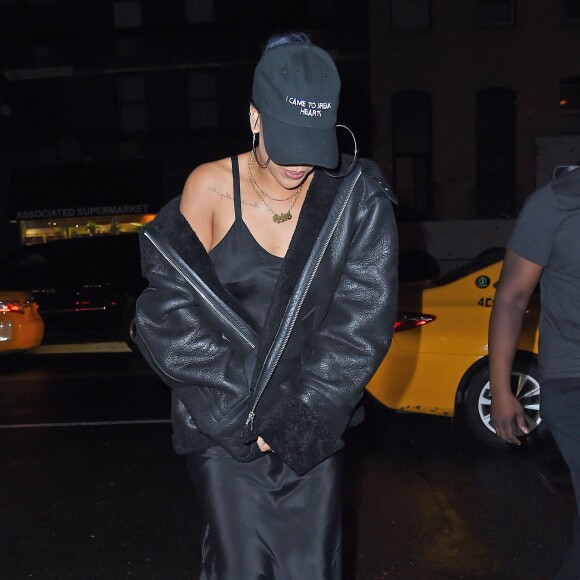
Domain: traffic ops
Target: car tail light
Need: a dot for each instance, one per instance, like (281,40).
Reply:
(11,306)
(408,320)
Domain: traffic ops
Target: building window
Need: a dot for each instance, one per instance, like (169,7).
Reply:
(201,92)
(571,10)
(411,114)
(199,11)
(132,103)
(495,12)
(127,14)
(570,106)
(410,14)
(496,153)
(127,48)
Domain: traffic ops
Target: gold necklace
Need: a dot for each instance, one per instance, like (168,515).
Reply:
(278,218)
(254,184)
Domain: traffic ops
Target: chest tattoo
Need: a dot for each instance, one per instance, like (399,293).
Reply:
(228,195)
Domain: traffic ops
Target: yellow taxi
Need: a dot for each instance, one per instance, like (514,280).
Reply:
(438,360)
(21,326)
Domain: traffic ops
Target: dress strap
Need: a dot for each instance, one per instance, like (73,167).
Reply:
(237,195)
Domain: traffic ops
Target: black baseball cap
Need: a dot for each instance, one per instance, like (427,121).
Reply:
(296,90)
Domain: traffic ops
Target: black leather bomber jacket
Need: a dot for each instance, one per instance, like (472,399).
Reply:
(297,381)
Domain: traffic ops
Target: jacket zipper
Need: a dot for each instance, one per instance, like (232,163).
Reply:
(252,414)
(200,292)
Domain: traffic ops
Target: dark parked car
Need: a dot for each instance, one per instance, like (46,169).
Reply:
(85,287)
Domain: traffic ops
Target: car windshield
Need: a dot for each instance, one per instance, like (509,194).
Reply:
(88,260)
(485,259)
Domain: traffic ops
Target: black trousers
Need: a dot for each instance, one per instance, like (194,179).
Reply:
(560,404)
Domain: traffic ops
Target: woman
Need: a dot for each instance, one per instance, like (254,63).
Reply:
(271,302)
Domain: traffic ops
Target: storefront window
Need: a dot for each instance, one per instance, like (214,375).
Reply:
(47,230)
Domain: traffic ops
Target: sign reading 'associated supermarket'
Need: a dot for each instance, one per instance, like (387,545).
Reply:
(71,212)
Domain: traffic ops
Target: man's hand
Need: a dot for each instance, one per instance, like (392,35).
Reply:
(506,413)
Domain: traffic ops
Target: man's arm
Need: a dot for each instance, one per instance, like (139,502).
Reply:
(518,280)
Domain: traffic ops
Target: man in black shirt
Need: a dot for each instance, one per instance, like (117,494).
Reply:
(544,247)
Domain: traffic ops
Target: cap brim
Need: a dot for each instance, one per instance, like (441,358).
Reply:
(293,145)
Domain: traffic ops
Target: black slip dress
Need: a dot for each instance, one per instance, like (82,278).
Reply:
(262,521)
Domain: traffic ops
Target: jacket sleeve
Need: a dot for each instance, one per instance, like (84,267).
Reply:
(306,423)
(193,357)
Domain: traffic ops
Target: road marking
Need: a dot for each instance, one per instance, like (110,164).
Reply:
(81,347)
(42,375)
(83,424)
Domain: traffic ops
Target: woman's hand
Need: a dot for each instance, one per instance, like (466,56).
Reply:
(262,445)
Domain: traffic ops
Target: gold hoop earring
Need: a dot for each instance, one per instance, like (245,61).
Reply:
(354,158)
(256,153)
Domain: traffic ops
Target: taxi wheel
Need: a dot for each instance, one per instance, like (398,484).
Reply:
(525,386)
(129,329)
(131,333)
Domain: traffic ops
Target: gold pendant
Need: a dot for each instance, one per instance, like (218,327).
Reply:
(281,217)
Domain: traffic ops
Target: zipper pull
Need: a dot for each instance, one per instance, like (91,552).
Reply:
(250,420)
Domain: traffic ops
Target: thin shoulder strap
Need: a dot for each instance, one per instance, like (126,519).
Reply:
(237,195)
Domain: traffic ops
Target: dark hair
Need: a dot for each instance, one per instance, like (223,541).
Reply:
(285,38)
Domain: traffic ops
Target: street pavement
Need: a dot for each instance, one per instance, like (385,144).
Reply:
(90,487)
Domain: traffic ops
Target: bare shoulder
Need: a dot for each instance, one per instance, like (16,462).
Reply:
(204,193)
(204,184)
